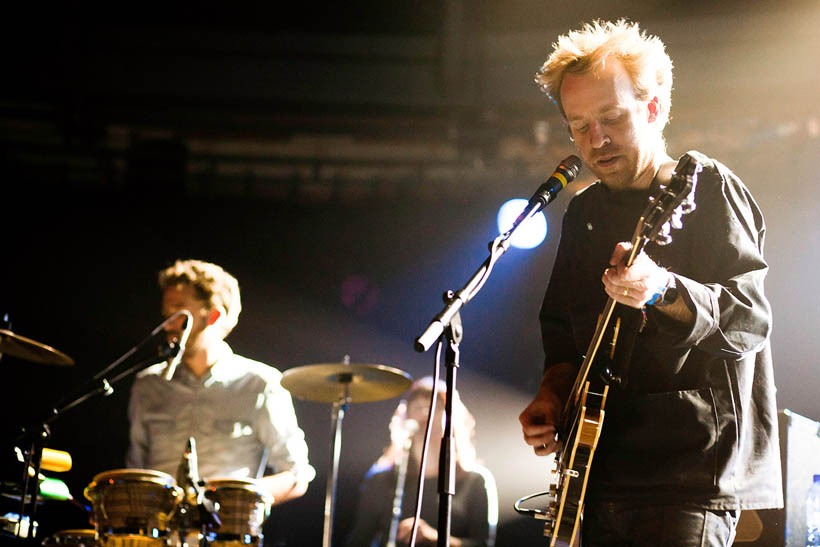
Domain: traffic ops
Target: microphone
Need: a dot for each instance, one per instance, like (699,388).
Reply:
(565,173)
(194,511)
(411,426)
(175,360)
(402,431)
(188,472)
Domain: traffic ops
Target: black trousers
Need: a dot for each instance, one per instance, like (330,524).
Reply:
(628,525)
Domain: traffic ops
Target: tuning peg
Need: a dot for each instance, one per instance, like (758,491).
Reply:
(688,206)
(663,239)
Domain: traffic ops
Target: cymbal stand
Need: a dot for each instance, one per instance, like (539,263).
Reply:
(26,522)
(337,416)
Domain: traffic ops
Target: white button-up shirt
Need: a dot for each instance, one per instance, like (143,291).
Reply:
(239,414)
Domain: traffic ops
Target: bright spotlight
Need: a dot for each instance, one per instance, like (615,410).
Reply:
(528,235)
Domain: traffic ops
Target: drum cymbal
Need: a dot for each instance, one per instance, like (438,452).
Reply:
(26,348)
(325,382)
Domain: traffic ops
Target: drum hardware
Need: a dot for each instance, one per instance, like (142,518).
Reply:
(342,384)
(31,442)
(72,538)
(13,525)
(23,524)
(12,491)
(195,515)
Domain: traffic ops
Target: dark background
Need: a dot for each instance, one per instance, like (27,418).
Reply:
(345,163)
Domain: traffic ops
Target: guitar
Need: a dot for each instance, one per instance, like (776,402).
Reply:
(583,416)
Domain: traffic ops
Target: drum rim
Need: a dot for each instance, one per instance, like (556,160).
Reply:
(151,475)
(247,485)
(242,484)
(75,532)
(133,475)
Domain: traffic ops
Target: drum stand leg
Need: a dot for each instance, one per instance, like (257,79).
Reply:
(338,414)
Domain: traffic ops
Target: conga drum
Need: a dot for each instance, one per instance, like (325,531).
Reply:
(241,507)
(133,507)
(72,538)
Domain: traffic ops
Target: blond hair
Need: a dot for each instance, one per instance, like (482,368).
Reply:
(586,51)
(213,285)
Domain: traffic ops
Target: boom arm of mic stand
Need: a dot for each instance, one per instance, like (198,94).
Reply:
(36,434)
(449,321)
(104,385)
(455,301)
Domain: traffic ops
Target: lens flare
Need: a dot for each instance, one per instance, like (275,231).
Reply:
(530,234)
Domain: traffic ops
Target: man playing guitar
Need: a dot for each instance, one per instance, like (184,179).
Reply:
(690,434)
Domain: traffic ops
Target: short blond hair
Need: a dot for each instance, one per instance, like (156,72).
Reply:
(213,285)
(586,51)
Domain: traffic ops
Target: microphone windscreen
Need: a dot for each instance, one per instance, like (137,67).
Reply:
(411,426)
(572,164)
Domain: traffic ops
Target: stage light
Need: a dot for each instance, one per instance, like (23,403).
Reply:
(530,234)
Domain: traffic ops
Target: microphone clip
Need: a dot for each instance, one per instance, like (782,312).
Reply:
(167,350)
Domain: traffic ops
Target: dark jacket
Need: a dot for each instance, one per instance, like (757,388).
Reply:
(474,507)
(696,421)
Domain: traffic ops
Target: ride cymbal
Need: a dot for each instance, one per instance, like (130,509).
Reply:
(330,382)
(30,350)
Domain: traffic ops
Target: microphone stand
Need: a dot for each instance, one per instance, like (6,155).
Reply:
(37,434)
(447,460)
(447,326)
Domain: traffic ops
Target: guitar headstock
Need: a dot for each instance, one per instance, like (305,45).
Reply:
(672,200)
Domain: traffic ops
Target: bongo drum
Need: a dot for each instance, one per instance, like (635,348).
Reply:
(241,507)
(133,507)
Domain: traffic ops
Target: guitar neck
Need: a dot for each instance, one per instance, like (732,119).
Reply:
(638,243)
(583,415)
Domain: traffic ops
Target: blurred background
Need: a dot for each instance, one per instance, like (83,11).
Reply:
(346,162)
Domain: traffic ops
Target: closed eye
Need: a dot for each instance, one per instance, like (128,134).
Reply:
(612,116)
(579,127)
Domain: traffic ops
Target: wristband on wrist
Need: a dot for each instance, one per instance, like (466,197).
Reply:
(666,295)
(655,297)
